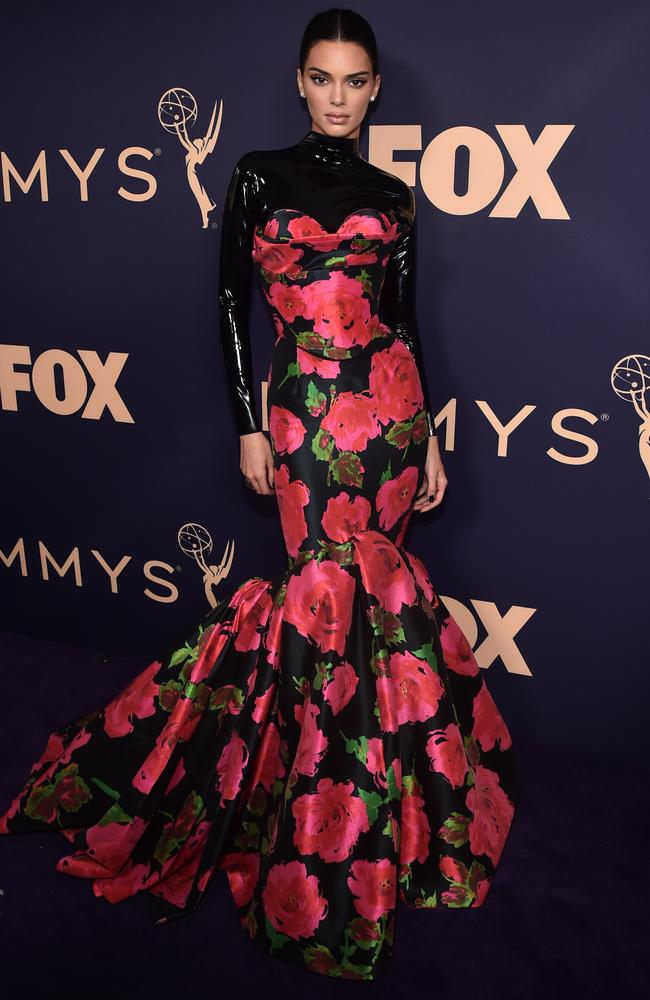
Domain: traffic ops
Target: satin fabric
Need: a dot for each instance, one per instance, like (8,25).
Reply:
(326,738)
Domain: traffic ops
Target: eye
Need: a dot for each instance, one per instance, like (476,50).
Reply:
(318,77)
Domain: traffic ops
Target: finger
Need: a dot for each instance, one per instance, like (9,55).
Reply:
(423,488)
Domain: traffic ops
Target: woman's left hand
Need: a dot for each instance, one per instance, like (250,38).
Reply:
(434,481)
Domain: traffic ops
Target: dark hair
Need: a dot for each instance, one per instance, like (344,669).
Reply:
(338,24)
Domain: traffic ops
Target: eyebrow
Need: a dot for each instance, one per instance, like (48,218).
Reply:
(361,72)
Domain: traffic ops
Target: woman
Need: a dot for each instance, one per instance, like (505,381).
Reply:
(326,738)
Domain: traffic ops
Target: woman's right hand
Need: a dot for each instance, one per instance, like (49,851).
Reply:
(256,461)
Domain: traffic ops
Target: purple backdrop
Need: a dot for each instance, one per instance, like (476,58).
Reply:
(520,130)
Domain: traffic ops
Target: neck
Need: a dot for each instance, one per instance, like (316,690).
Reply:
(330,148)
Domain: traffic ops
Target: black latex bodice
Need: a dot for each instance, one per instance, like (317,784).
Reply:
(326,178)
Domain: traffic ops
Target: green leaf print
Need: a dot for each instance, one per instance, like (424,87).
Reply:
(322,445)
(337,259)
(179,655)
(362,971)
(386,474)
(321,958)
(455,830)
(315,401)
(399,434)
(293,371)
(373,801)
(323,673)
(106,788)
(115,815)
(276,939)
(420,427)
(426,653)
(347,469)
(394,790)
(358,747)
(310,340)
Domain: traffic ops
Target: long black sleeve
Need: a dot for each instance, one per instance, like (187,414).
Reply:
(235,278)
(398,305)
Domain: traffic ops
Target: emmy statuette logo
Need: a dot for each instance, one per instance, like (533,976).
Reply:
(631,381)
(177,112)
(195,541)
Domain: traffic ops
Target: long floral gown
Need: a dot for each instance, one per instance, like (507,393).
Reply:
(326,738)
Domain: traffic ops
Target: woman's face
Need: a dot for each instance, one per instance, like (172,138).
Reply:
(338,84)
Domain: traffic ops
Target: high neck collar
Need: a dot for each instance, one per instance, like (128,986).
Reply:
(330,148)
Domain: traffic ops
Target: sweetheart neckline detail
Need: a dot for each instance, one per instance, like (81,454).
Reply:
(325,234)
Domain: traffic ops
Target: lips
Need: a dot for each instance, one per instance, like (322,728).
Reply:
(338,119)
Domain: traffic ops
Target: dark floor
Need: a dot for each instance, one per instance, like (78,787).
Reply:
(567,914)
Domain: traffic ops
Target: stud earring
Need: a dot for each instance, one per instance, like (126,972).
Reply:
(301,94)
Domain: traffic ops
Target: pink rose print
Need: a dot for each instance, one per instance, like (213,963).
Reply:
(273,634)
(177,776)
(313,364)
(230,768)
(277,258)
(395,383)
(109,847)
(374,885)
(132,879)
(242,869)
(292,497)
(339,690)
(394,497)
(339,309)
(446,752)
(292,900)
(383,571)
(415,831)
(421,575)
(286,429)
(263,703)
(489,727)
(312,743)
(344,517)
(411,693)
(269,765)
(330,820)
(253,604)
(137,699)
(80,739)
(179,871)
(375,761)
(286,300)
(306,229)
(457,650)
(319,602)
(368,225)
(492,814)
(351,421)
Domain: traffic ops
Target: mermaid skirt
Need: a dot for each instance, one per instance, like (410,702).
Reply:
(326,738)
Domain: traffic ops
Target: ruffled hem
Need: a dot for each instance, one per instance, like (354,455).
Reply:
(326,739)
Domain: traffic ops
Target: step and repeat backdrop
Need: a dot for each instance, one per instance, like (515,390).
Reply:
(519,127)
